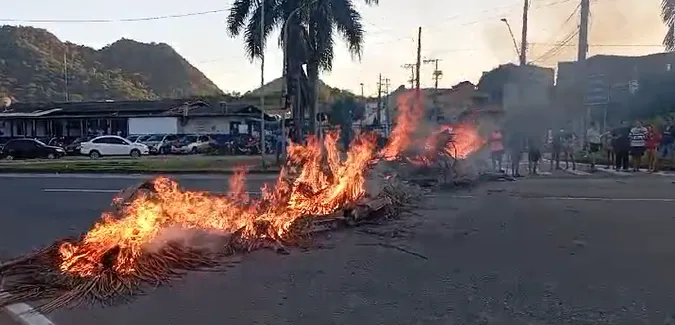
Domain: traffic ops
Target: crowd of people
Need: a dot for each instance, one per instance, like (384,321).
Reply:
(625,147)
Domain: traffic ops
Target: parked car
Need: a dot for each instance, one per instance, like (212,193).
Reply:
(74,148)
(138,138)
(161,144)
(194,144)
(30,148)
(112,145)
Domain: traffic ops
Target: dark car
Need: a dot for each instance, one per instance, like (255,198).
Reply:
(30,148)
(73,149)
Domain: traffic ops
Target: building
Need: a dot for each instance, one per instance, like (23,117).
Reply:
(603,86)
(445,104)
(75,119)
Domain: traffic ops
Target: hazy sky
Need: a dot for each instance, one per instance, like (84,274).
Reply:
(466,35)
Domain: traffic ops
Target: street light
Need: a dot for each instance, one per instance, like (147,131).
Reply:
(285,69)
(262,84)
(513,38)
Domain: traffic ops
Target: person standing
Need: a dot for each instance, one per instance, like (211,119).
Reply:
(667,144)
(568,140)
(516,146)
(608,147)
(594,143)
(653,140)
(556,148)
(497,149)
(638,142)
(621,146)
(533,154)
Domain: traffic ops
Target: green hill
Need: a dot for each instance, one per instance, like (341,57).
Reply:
(33,62)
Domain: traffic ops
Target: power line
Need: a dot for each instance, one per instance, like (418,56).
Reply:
(120,20)
(473,22)
(555,50)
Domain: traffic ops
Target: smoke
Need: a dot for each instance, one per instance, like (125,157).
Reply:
(620,27)
(195,238)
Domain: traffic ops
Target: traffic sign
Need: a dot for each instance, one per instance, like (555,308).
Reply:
(597,91)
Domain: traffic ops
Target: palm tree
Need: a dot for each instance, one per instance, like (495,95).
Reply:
(668,17)
(311,34)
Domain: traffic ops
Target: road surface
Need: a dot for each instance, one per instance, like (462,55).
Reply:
(555,249)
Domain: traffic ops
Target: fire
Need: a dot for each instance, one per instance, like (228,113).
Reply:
(326,182)
(410,112)
(322,187)
(465,140)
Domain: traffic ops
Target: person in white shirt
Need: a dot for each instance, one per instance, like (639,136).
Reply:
(594,139)
(638,143)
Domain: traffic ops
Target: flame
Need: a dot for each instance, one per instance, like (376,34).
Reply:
(410,112)
(326,182)
(465,140)
(322,187)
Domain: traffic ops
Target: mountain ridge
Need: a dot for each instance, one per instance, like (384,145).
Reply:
(35,65)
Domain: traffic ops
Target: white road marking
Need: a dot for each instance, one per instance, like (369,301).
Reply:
(616,172)
(24,313)
(91,190)
(577,172)
(77,190)
(136,176)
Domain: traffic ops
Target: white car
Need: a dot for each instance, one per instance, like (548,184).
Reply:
(112,145)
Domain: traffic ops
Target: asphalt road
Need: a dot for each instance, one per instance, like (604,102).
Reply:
(555,249)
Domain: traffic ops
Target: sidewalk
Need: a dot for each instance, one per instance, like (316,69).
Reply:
(6,319)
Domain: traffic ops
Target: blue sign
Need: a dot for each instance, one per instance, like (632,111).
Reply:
(597,90)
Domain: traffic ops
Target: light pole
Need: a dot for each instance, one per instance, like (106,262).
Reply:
(513,38)
(285,70)
(262,84)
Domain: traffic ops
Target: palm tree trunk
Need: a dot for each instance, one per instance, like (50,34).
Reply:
(313,76)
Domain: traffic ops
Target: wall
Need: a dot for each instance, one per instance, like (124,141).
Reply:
(149,125)
(205,125)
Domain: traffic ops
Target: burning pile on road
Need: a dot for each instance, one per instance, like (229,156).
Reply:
(142,241)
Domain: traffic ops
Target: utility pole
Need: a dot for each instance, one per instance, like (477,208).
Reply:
(262,84)
(410,66)
(581,56)
(418,63)
(583,30)
(379,100)
(437,75)
(523,41)
(363,98)
(387,120)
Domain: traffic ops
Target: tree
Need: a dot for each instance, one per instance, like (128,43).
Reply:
(668,17)
(311,33)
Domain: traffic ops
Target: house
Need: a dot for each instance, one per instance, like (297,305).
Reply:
(447,103)
(74,119)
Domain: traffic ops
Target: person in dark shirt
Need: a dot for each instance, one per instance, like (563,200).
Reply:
(515,145)
(533,153)
(621,146)
(667,144)
(556,148)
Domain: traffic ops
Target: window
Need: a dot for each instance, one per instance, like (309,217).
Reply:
(117,141)
(203,139)
(22,145)
(101,140)
(110,140)
(171,137)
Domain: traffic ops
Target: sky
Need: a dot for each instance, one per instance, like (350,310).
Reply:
(466,36)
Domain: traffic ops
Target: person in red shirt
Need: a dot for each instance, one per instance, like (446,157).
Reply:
(652,144)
